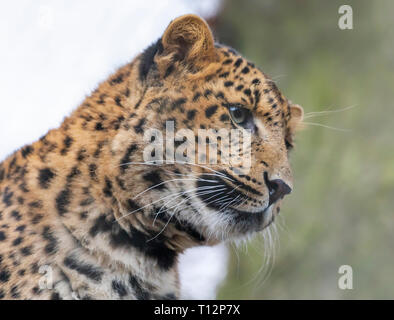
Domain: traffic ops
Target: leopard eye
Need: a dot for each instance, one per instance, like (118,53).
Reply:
(240,115)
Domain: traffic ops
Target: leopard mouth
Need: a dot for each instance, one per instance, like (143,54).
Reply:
(244,221)
(255,220)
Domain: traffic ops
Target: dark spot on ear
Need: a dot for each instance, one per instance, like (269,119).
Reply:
(147,58)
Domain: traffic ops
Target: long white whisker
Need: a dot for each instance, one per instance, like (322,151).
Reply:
(326,112)
(149,204)
(201,192)
(172,180)
(154,163)
(325,126)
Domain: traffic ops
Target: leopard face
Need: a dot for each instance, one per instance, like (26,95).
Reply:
(198,86)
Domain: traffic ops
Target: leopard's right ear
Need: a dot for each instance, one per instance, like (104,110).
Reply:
(189,39)
(187,42)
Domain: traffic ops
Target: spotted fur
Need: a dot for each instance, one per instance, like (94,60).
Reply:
(81,203)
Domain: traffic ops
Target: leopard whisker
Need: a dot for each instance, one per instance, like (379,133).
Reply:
(326,126)
(201,192)
(327,112)
(153,163)
(167,181)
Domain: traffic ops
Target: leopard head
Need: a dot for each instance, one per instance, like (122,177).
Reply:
(207,142)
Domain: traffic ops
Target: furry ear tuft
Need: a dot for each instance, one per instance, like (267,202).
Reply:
(189,38)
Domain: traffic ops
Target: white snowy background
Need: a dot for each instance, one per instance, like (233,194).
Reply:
(54,53)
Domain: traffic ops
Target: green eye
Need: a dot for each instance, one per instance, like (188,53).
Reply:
(240,115)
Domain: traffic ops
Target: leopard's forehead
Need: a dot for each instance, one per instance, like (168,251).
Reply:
(236,80)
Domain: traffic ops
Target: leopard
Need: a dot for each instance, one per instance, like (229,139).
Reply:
(84,215)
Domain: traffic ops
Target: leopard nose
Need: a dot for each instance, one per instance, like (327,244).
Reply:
(277,188)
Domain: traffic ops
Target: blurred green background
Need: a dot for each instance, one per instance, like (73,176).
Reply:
(341,211)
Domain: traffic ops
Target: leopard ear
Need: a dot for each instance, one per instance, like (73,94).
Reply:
(296,117)
(189,39)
